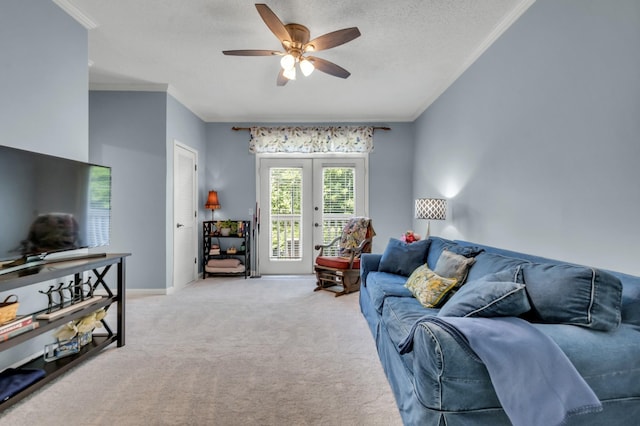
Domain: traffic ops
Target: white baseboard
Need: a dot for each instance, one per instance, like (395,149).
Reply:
(147,291)
(159,291)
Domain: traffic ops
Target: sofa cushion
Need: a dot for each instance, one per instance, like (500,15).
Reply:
(607,361)
(338,262)
(383,284)
(489,263)
(487,298)
(451,265)
(572,294)
(402,258)
(428,287)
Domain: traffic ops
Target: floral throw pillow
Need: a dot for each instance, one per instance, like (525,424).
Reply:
(428,287)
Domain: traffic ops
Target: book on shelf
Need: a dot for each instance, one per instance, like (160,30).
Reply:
(16,323)
(19,331)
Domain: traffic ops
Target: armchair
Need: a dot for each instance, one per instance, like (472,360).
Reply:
(341,274)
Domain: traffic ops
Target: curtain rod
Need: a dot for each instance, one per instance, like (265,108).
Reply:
(249,128)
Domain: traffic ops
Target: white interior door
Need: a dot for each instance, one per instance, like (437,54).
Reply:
(185,264)
(304,202)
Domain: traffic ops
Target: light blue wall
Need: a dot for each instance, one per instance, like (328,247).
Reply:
(230,170)
(43,105)
(390,184)
(128,133)
(43,79)
(537,142)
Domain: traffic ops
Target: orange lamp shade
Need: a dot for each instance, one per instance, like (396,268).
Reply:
(212,201)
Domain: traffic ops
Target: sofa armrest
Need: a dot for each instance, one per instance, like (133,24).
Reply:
(369,262)
(444,371)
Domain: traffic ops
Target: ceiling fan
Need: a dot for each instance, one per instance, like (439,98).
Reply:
(297,46)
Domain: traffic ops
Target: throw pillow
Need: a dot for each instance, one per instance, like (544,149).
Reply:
(572,294)
(428,287)
(451,265)
(438,244)
(509,275)
(483,298)
(402,258)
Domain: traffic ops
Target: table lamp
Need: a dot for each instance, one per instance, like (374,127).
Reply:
(431,209)
(212,203)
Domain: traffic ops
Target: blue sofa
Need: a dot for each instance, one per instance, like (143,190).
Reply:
(439,383)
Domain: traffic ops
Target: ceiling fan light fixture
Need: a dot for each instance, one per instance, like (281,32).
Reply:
(306,67)
(296,41)
(290,73)
(287,62)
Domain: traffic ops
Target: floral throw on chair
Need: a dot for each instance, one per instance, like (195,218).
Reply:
(341,273)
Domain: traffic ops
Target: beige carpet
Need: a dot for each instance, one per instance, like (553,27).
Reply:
(227,351)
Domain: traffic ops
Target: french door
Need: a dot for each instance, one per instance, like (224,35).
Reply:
(304,202)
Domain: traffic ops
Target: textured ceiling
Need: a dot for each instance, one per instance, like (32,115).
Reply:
(409,52)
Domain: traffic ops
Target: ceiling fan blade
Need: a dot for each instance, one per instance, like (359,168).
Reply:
(329,67)
(329,40)
(273,22)
(251,52)
(282,80)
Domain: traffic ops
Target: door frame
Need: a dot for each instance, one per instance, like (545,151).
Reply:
(311,156)
(194,233)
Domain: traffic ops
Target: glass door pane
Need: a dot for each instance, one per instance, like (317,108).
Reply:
(285,213)
(338,202)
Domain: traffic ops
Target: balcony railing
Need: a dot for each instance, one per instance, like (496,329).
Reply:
(331,228)
(285,237)
(286,240)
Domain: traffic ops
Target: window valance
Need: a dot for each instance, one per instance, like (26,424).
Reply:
(311,139)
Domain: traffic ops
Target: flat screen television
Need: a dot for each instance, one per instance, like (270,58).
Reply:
(49,205)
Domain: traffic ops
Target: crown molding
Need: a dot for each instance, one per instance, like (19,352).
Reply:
(171,90)
(128,87)
(482,47)
(76,14)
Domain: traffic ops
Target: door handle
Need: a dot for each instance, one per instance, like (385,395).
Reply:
(316,224)
(179,225)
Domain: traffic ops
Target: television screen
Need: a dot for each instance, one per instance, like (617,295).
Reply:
(50,204)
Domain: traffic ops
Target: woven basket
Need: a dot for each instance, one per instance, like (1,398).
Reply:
(8,309)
